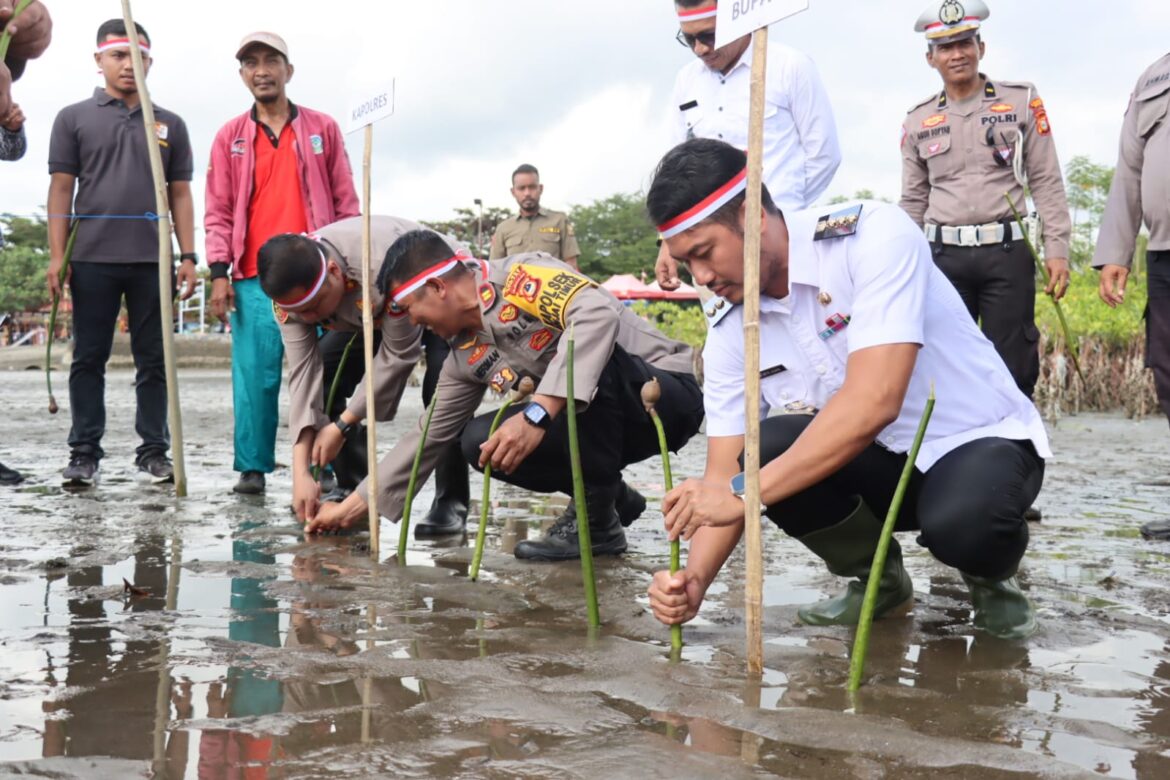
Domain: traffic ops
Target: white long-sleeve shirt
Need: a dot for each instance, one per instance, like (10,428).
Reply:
(801,152)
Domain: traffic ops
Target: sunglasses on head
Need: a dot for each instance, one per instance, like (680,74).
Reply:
(688,40)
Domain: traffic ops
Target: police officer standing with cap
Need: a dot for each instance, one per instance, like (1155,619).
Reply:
(1141,193)
(963,149)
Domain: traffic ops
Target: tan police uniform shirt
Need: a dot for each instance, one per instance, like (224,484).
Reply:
(527,302)
(957,161)
(401,341)
(1141,181)
(549,232)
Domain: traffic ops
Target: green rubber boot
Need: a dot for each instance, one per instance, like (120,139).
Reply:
(847,548)
(1001,608)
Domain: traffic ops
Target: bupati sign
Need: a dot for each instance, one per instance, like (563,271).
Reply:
(738,18)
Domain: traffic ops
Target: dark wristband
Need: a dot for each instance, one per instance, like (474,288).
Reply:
(220,271)
(194,258)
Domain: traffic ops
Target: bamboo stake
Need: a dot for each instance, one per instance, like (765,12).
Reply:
(165,258)
(316,470)
(404,530)
(368,337)
(522,390)
(651,392)
(1073,349)
(865,622)
(583,540)
(162,693)
(753,547)
(53,316)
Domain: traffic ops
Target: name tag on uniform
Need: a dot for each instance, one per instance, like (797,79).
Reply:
(689,105)
(773,371)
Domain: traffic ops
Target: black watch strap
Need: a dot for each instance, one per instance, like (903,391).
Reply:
(344,427)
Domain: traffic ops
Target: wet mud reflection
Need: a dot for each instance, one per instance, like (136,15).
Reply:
(245,650)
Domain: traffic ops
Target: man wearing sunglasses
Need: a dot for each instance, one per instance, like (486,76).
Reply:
(711,99)
(315,281)
(963,149)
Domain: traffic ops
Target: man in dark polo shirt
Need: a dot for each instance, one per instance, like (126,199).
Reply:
(276,168)
(100,172)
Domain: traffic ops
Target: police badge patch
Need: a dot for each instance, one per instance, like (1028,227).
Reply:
(951,12)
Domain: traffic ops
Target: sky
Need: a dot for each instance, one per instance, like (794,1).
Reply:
(581,90)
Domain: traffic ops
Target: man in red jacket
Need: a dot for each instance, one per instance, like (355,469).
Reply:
(278,168)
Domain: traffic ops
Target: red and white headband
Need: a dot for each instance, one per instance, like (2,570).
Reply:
(122,43)
(435,271)
(695,14)
(287,304)
(705,208)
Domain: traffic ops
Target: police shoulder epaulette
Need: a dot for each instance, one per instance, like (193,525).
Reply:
(922,103)
(839,224)
(716,309)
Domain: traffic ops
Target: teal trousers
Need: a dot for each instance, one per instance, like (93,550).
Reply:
(257,357)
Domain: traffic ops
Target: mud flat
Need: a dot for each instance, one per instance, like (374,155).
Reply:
(309,659)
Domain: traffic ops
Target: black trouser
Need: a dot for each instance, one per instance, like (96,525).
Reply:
(351,464)
(613,432)
(969,507)
(97,290)
(1158,325)
(998,285)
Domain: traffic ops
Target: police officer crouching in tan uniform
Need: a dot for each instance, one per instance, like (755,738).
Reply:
(315,281)
(534,229)
(505,321)
(962,150)
(1141,193)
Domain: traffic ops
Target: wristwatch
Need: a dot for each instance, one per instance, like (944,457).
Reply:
(536,415)
(344,427)
(739,485)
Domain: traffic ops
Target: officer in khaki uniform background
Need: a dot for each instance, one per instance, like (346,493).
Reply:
(1141,193)
(534,229)
(316,281)
(505,321)
(962,149)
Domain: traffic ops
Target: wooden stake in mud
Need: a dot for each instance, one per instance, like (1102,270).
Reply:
(367,109)
(368,339)
(733,21)
(753,538)
(165,258)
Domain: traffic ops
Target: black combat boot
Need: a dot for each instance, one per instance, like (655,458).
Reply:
(448,514)
(560,542)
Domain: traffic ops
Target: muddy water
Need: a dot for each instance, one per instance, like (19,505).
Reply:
(250,647)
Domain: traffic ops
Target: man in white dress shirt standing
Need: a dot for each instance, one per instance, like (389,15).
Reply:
(856,324)
(711,100)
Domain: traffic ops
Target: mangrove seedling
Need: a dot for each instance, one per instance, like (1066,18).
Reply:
(404,530)
(865,621)
(583,539)
(522,390)
(651,392)
(53,316)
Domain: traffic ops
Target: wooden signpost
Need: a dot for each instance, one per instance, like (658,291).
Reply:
(367,109)
(735,19)
(165,255)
